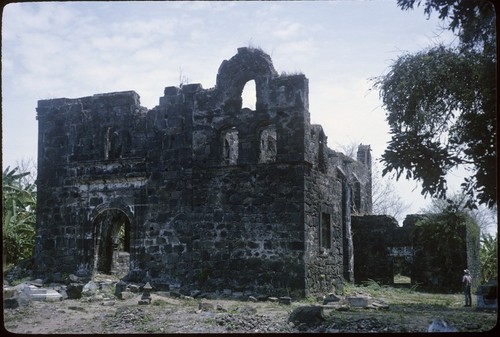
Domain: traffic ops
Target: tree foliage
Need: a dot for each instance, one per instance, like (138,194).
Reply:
(446,233)
(454,209)
(486,218)
(489,257)
(18,216)
(473,21)
(441,105)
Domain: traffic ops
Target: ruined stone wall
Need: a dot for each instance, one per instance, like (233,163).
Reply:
(379,244)
(441,259)
(89,156)
(210,194)
(376,239)
(243,225)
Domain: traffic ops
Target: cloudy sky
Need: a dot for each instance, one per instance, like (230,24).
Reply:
(76,49)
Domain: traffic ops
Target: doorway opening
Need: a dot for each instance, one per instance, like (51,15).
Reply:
(111,242)
(401,271)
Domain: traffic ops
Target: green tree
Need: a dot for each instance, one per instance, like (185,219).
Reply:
(483,216)
(489,257)
(18,216)
(441,104)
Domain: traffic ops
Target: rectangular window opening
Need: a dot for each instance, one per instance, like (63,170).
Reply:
(326,231)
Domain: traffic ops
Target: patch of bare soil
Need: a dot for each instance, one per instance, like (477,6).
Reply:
(174,315)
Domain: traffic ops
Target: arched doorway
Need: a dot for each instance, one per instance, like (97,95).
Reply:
(111,242)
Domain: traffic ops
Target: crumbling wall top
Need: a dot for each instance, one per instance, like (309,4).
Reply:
(112,99)
(248,64)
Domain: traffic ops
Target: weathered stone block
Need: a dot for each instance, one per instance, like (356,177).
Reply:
(308,315)
(10,303)
(360,302)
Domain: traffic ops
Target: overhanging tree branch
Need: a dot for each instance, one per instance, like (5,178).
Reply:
(441,104)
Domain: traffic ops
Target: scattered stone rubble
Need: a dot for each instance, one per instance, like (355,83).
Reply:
(107,292)
(242,315)
(105,289)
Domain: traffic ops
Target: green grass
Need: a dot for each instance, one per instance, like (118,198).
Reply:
(402,279)
(403,296)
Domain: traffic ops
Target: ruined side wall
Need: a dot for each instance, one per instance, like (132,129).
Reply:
(336,186)
(374,236)
(324,264)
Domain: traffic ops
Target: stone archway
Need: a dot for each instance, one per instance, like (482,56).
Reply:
(111,233)
(250,65)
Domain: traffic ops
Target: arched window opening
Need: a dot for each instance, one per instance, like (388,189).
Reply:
(249,96)
(230,145)
(268,145)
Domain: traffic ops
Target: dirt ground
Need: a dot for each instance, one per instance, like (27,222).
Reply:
(166,315)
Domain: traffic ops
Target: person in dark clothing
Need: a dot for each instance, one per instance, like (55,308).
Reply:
(467,282)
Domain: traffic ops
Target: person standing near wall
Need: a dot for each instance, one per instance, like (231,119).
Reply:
(467,282)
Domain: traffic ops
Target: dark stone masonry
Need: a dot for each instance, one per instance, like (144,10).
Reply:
(200,192)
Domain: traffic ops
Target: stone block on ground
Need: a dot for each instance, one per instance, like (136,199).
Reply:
(90,288)
(487,296)
(308,315)
(49,295)
(285,300)
(74,290)
(331,298)
(9,292)
(358,302)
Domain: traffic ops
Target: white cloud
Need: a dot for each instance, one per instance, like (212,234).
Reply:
(348,113)
(74,49)
(287,30)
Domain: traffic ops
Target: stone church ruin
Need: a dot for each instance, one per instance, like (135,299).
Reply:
(199,191)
